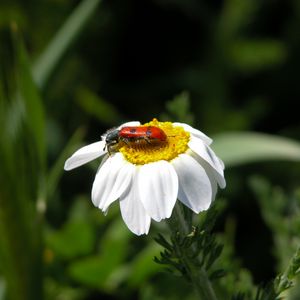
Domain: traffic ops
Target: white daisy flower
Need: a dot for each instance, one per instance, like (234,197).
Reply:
(148,175)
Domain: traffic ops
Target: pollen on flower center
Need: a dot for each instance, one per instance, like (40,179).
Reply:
(142,152)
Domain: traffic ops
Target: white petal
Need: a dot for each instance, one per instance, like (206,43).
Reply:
(195,189)
(221,163)
(197,133)
(210,173)
(85,155)
(132,210)
(111,181)
(131,123)
(213,181)
(209,156)
(158,184)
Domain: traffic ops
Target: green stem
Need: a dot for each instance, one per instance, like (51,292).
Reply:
(21,250)
(198,275)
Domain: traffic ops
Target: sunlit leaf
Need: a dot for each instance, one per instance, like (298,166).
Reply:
(238,148)
(143,266)
(76,238)
(95,271)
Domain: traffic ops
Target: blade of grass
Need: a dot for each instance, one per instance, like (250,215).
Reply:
(29,94)
(238,148)
(64,38)
(57,169)
(96,106)
(21,174)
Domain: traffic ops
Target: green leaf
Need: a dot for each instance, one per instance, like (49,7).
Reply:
(76,238)
(235,17)
(64,38)
(55,289)
(22,153)
(2,289)
(29,96)
(57,169)
(96,271)
(98,107)
(143,266)
(179,109)
(239,148)
(287,280)
(254,55)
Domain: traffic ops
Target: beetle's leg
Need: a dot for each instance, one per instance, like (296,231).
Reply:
(125,141)
(147,139)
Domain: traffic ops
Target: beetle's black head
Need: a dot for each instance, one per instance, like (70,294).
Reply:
(111,140)
(112,136)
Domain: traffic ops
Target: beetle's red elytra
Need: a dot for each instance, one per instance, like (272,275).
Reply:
(134,134)
(147,133)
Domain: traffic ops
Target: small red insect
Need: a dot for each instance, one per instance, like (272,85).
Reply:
(133,134)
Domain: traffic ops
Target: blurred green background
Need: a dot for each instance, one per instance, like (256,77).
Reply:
(225,67)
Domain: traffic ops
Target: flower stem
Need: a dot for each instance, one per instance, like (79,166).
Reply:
(180,224)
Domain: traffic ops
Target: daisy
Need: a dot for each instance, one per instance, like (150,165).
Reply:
(148,177)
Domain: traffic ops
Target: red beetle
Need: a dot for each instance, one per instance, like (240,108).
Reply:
(132,134)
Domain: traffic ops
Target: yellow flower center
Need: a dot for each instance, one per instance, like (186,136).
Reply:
(141,152)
